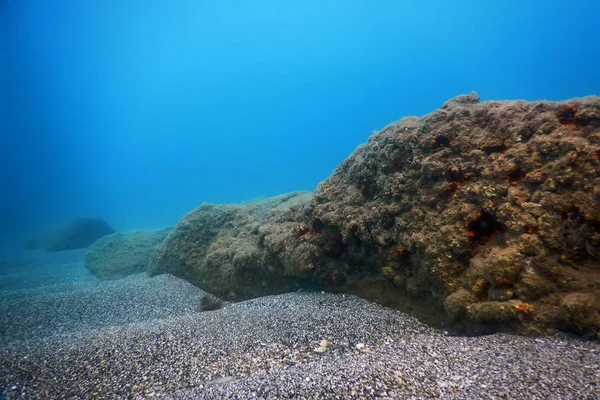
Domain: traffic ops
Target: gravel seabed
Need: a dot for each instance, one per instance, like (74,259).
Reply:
(41,270)
(48,300)
(143,338)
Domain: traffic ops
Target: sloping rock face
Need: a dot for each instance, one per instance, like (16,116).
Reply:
(478,217)
(121,254)
(77,233)
(217,247)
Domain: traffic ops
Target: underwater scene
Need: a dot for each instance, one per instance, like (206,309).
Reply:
(300,200)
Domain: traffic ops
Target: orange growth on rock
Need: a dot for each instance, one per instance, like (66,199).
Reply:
(525,308)
(402,255)
(468,176)
(452,187)
(440,142)
(514,177)
(302,230)
(506,281)
(483,227)
(568,116)
(454,174)
(401,251)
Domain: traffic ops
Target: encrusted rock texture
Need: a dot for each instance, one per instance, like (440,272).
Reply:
(121,254)
(479,217)
(217,248)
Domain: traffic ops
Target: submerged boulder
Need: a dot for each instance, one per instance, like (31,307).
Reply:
(77,233)
(218,248)
(121,254)
(478,217)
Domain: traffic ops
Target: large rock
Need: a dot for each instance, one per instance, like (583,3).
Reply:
(478,217)
(218,248)
(121,254)
(78,233)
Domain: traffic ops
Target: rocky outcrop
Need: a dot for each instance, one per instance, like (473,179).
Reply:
(218,247)
(121,254)
(78,233)
(478,217)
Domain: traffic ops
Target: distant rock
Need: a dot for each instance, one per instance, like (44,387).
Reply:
(35,243)
(479,217)
(78,233)
(121,254)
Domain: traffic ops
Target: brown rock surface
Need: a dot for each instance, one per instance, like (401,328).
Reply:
(478,217)
(217,247)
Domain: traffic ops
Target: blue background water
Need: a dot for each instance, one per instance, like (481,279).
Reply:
(138,111)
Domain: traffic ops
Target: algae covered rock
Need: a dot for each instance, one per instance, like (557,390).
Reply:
(494,311)
(457,304)
(121,254)
(77,233)
(219,248)
(462,214)
(481,216)
(580,312)
(500,293)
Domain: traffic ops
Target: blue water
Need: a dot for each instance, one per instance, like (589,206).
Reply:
(138,111)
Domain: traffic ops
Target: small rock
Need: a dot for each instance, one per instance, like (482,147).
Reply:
(221,381)
(209,303)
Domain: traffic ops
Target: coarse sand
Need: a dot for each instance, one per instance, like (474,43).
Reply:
(64,334)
